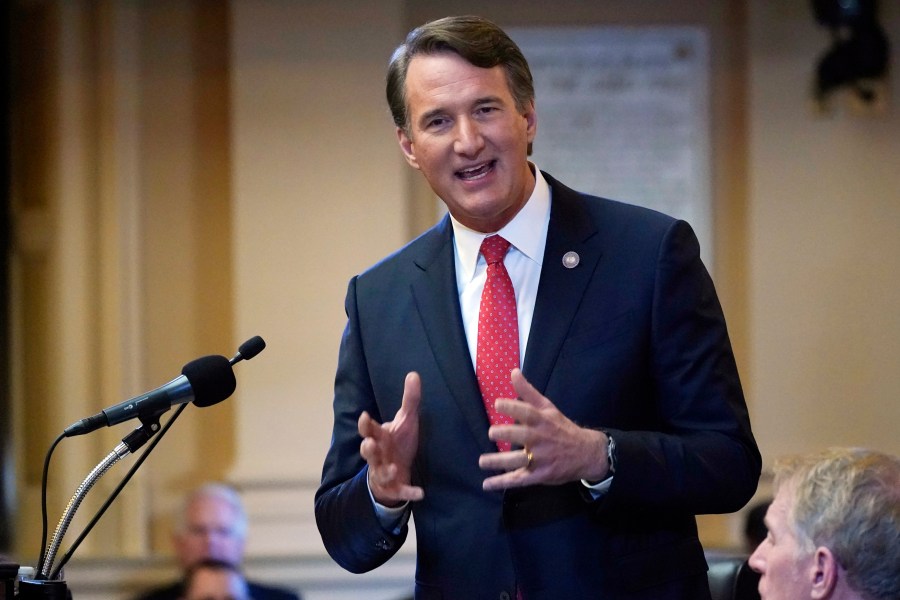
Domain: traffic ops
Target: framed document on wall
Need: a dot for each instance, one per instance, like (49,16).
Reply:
(624,113)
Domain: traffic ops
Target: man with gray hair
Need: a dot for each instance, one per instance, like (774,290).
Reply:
(212,525)
(834,528)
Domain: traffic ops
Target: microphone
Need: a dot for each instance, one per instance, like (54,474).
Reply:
(205,381)
(248,350)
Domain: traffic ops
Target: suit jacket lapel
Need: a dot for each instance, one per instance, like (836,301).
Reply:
(561,289)
(559,295)
(437,300)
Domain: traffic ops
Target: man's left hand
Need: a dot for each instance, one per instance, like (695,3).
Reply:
(554,449)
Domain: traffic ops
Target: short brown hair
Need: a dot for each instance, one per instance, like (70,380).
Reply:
(477,40)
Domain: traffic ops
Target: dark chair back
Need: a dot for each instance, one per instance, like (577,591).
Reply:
(731,578)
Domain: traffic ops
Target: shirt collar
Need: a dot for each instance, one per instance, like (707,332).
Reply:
(527,231)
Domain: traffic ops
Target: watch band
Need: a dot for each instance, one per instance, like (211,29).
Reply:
(611,454)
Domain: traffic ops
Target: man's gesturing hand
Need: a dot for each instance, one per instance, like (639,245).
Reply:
(556,450)
(390,448)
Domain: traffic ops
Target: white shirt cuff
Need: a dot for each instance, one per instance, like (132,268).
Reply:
(598,490)
(391,518)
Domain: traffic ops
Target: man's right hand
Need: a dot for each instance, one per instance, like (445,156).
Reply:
(390,449)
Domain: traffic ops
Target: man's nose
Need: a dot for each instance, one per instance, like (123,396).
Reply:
(757,561)
(212,537)
(469,139)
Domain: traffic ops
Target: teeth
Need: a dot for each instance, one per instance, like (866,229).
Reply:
(475,172)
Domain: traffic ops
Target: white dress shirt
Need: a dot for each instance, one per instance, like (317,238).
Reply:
(527,235)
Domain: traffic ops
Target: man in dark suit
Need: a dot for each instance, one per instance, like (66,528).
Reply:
(626,417)
(212,526)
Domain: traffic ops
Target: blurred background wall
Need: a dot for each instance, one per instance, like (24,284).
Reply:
(187,174)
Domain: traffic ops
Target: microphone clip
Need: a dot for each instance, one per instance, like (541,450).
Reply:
(149,427)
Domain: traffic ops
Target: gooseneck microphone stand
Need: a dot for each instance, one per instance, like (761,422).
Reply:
(132,442)
(204,382)
(49,584)
(120,452)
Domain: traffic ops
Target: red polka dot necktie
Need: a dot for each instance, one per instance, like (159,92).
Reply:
(497,353)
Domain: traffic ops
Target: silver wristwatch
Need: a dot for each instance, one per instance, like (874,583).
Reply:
(611,454)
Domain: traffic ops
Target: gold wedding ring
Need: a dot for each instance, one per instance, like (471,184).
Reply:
(529,457)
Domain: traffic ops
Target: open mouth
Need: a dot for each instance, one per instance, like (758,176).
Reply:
(475,173)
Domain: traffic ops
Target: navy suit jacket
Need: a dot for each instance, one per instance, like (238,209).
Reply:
(632,341)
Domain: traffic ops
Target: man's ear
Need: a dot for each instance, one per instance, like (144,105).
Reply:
(530,121)
(823,573)
(406,145)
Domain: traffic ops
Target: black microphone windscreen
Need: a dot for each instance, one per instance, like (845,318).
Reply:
(211,378)
(251,347)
